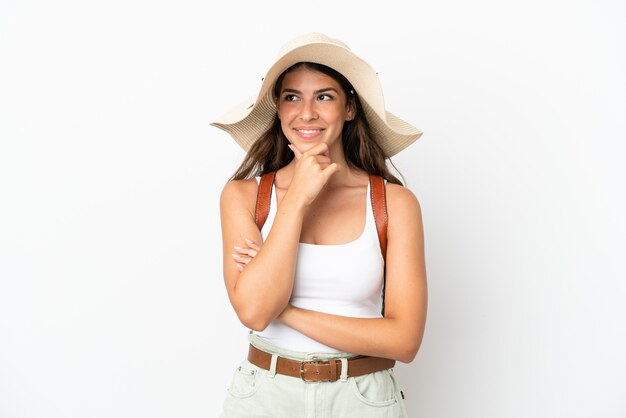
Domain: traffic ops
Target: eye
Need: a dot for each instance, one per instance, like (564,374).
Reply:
(290,97)
(325,97)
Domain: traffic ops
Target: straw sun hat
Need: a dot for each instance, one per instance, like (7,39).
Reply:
(249,120)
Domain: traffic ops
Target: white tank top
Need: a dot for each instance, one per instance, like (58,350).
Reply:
(342,279)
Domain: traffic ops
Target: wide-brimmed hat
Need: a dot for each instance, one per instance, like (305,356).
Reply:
(249,120)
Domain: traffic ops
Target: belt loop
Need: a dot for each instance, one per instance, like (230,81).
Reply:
(344,369)
(273,366)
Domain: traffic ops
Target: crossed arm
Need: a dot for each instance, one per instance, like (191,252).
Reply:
(265,274)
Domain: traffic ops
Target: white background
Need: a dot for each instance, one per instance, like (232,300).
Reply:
(111,296)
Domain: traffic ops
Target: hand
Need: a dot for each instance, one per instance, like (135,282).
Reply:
(312,171)
(244,254)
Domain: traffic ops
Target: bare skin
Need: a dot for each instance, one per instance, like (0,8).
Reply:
(318,185)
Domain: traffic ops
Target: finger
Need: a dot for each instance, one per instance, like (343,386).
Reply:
(322,159)
(240,267)
(330,170)
(319,149)
(241,258)
(323,164)
(295,150)
(252,244)
(246,251)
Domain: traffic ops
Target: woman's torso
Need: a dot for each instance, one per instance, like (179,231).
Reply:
(342,279)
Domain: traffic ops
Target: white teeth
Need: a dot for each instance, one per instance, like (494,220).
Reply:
(309,131)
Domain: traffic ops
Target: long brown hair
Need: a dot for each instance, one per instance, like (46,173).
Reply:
(270,151)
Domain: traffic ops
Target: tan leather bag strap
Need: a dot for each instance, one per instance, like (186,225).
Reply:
(379,206)
(263,199)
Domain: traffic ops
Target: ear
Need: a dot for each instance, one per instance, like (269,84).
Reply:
(351,112)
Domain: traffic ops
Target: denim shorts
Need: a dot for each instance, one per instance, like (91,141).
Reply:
(256,392)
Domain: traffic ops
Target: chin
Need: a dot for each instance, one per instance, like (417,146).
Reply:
(304,147)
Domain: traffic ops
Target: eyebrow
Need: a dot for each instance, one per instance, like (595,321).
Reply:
(324,90)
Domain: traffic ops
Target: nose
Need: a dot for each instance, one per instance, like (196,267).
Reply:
(308,111)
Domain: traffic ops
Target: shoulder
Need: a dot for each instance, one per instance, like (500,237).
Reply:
(400,196)
(239,194)
(403,206)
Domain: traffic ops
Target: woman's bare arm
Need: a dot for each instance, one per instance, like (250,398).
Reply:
(261,291)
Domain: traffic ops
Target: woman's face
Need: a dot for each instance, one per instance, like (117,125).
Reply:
(312,108)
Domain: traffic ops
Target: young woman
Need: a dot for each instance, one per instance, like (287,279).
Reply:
(330,278)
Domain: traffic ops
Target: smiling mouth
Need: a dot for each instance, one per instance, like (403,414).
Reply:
(308,133)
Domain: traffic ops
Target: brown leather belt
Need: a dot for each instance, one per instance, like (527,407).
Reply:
(315,370)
